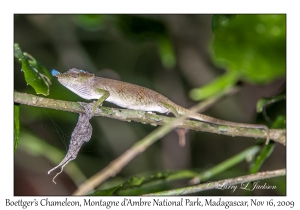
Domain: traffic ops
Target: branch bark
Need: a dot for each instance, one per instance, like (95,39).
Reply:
(140,116)
(277,135)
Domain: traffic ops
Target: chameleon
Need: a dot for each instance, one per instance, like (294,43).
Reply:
(131,96)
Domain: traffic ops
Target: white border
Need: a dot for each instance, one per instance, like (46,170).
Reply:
(8,8)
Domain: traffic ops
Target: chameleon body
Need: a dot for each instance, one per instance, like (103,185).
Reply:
(131,96)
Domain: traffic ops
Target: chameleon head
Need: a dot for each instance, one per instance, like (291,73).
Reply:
(78,81)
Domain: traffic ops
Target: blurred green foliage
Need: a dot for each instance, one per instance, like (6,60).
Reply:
(139,185)
(264,102)
(134,186)
(90,22)
(38,147)
(39,81)
(253,45)
(218,85)
(16,126)
(140,29)
(280,122)
(251,48)
(265,152)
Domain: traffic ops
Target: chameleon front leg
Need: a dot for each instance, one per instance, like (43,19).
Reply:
(104,96)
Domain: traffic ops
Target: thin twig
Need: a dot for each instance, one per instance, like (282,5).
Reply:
(207,174)
(221,183)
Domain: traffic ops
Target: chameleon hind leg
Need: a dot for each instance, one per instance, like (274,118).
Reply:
(180,131)
(99,102)
(170,108)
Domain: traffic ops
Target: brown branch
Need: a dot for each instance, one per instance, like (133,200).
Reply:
(127,115)
(277,135)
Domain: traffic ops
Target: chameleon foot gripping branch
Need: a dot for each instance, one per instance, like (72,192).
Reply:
(81,134)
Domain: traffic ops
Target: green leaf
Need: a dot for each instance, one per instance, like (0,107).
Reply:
(142,185)
(267,149)
(261,157)
(262,103)
(220,84)
(280,122)
(253,45)
(16,126)
(32,71)
(183,174)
